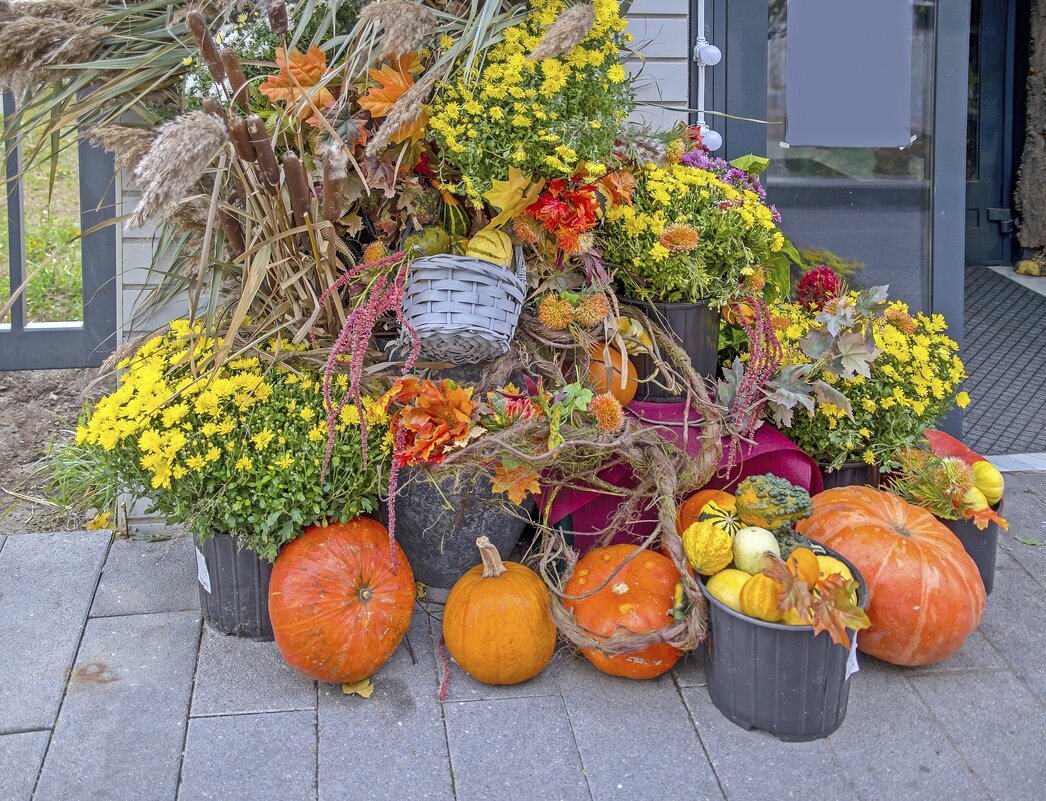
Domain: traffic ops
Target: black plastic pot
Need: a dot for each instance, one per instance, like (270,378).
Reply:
(696,328)
(781,679)
(982,546)
(234,588)
(850,474)
(437,524)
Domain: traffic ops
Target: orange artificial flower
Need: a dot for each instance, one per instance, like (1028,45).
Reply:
(297,80)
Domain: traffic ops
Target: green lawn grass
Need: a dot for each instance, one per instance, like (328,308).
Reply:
(49,230)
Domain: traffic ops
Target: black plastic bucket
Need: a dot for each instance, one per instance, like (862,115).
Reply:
(850,474)
(778,678)
(696,327)
(437,524)
(234,588)
(982,546)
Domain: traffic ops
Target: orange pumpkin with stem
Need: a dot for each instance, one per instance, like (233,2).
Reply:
(602,377)
(497,623)
(925,593)
(690,510)
(639,599)
(338,606)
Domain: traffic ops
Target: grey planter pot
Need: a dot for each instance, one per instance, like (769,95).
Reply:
(696,326)
(982,546)
(778,678)
(850,474)
(437,525)
(234,588)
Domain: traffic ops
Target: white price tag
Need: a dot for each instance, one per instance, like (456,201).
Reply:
(851,661)
(201,571)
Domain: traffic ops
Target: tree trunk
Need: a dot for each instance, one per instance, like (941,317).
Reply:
(1031,182)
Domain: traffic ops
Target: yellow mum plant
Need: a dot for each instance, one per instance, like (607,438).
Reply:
(236,451)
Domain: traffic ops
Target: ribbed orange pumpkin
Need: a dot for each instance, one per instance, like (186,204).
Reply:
(639,599)
(338,608)
(925,593)
(690,510)
(497,623)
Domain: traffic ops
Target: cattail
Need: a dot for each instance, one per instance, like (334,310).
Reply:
(566,33)
(28,47)
(241,139)
(406,25)
(129,145)
(335,171)
(181,152)
(406,110)
(237,80)
(300,195)
(278,21)
(233,231)
(214,108)
(205,44)
(270,170)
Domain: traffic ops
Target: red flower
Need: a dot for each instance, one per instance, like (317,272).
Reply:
(566,213)
(817,287)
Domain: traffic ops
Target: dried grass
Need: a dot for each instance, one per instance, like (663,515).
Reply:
(129,145)
(406,110)
(181,152)
(406,25)
(566,33)
(77,12)
(28,45)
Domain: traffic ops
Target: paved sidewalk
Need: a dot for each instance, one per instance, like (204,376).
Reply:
(112,690)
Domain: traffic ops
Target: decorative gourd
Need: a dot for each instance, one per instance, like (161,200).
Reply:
(723,515)
(771,502)
(429,241)
(829,565)
(988,479)
(751,546)
(601,378)
(455,219)
(925,593)
(497,623)
(802,563)
(708,548)
(725,586)
(338,607)
(492,245)
(974,499)
(638,599)
(690,510)
(760,597)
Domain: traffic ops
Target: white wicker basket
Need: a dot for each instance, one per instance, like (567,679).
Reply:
(464,310)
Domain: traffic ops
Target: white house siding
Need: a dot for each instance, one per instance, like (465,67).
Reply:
(660,27)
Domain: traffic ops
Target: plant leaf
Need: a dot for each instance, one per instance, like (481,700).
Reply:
(1025,539)
(835,611)
(816,344)
(364,689)
(516,480)
(513,195)
(794,593)
(855,355)
(839,320)
(826,393)
(869,299)
(753,165)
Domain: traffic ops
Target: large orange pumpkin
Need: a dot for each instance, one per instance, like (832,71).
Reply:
(602,377)
(497,623)
(639,599)
(925,593)
(338,608)
(690,509)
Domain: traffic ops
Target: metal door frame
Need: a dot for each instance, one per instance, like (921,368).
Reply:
(25,345)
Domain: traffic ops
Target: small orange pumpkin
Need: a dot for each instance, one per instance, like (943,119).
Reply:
(759,598)
(802,563)
(602,377)
(690,510)
(639,599)
(497,623)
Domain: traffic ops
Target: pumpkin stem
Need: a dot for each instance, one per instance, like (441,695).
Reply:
(492,564)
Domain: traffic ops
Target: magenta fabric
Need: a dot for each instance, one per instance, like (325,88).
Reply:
(772,452)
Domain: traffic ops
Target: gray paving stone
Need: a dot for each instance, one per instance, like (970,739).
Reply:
(250,757)
(996,724)
(142,576)
(514,748)
(615,723)
(2,538)
(46,585)
(690,670)
(235,675)
(891,746)
(392,745)
(748,763)
(122,726)
(20,758)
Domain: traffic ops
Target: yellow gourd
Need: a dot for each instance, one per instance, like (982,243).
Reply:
(725,586)
(988,479)
(759,598)
(802,563)
(708,548)
(495,246)
(829,565)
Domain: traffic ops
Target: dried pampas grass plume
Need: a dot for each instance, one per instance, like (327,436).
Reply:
(182,150)
(129,145)
(406,110)
(407,25)
(27,47)
(77,12)
(566,33)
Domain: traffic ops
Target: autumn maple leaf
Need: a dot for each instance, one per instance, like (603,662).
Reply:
(438,420)
(617,187)
(835,609)
(516,480)
(794,594)
(393,80)
(297,80)
(982,517)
